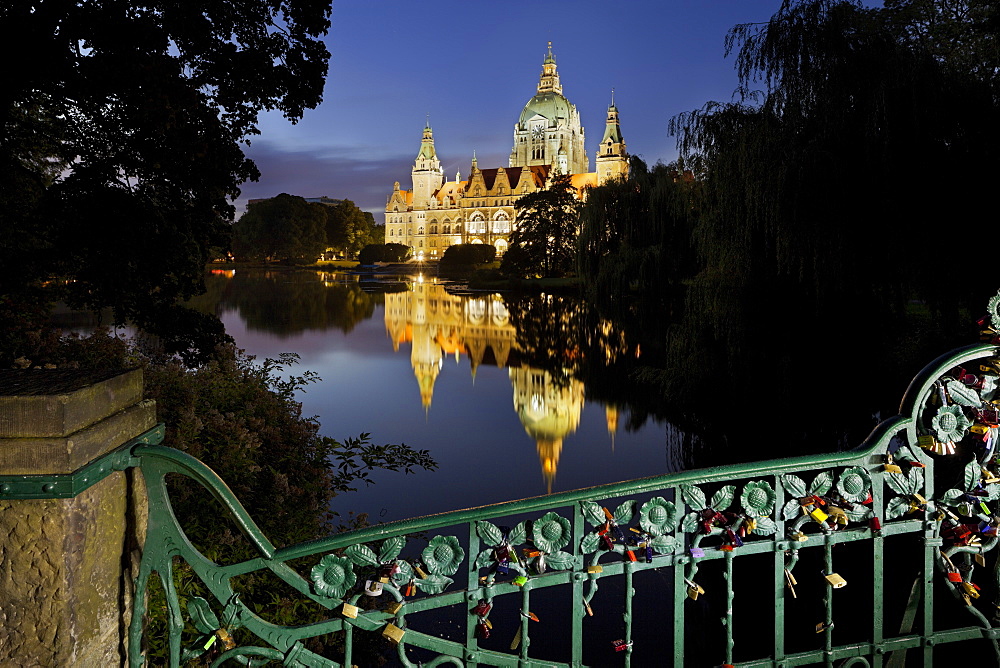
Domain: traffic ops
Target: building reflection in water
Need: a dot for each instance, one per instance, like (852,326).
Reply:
(437,324)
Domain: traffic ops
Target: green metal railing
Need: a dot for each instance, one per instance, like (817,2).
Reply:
(778,510)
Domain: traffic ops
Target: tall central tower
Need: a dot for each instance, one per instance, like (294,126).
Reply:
(427,173)
(548,131)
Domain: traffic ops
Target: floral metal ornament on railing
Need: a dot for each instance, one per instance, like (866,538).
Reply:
(929,472)
(333,576)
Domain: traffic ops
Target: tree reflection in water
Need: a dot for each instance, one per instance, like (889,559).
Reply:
(772,394)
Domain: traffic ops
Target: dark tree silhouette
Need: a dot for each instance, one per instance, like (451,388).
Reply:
(544,241)
(120,147)
(281,228)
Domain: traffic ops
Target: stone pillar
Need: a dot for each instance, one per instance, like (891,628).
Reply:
(67,566)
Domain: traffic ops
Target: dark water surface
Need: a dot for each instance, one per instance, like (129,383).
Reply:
(407,361)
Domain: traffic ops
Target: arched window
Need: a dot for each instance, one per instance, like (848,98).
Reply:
(420,230)
(434,229)
(501,223)
(447,229)
(458,228)
(477,224)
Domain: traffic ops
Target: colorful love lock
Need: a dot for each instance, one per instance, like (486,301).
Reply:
(482,608)
(621,645)
(818,515)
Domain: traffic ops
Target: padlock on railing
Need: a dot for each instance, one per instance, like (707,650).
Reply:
(393,634)
(482,608)
(835,580)
(621,645)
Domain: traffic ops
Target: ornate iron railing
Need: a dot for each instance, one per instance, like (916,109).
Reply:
(683,524)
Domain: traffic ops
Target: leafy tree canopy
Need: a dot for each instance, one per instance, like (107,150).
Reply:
(349,229)
(544,241)
(827,195)
(285,227)
(636,235)
(120,145)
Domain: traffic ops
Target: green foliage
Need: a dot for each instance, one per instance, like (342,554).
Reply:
(349,229)
(544,242)
(465,254)
(636,235)
(120,146)
(281,228)
(373,253)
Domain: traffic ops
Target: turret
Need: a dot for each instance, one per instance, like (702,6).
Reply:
(612,158)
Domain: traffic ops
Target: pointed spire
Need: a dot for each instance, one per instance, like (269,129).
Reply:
(427,143)
(612,97)
(549,81)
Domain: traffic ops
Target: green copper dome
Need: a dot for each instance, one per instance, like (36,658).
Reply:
(551,105)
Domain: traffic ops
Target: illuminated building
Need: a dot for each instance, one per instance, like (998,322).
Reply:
(548,140)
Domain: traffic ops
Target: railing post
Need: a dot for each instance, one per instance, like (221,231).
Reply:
(68,558)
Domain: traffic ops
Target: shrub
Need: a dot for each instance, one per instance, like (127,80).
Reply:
(469,254)
(373,253)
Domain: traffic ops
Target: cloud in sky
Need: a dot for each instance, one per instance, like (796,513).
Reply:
(472,66)
(323,172)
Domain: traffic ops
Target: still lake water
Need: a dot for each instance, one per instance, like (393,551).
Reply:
(410,362)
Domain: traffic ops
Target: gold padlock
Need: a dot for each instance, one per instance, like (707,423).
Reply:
(393,633)
(836,581)
(694,590)
(839,514)
(596,568)
(349,611)
(799,536)
(227,640)
(970,589)
(818,515)
(394,607)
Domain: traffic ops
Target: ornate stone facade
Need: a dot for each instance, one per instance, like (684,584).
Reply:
(548,140)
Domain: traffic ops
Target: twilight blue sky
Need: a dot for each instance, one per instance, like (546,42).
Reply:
(394,61)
